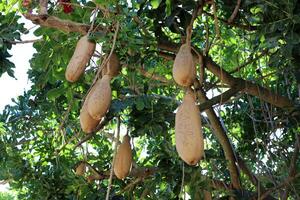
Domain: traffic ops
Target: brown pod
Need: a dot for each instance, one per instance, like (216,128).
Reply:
(123,158)
(184,68)
(88,124)
(188,132)
(81,56)
(80,169)
(112,67)
(99,98)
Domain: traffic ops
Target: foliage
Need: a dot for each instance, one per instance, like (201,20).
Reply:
(6,196)
(40,130)
(10,31)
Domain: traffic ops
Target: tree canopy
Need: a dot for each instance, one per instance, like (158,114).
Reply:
(247,88)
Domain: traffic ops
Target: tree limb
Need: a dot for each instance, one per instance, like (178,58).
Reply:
(241,26)
(283,184)
(222,98)
(98,128)
(222,138)
(61,24)
(235,12)
(249,87)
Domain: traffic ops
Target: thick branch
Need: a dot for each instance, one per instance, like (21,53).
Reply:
(220,99)
(250,88)
(223,139)
(61,24)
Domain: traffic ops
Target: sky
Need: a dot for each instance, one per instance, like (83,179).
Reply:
(10,87)
(21,54)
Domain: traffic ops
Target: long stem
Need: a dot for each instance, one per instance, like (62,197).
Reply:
(114,158)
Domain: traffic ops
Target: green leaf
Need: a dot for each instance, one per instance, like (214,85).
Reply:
(139,104)
(56,92)
(155,3)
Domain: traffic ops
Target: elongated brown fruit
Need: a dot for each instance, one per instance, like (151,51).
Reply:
(112,67)
(99,98)
(88,124)
(123,158)
(81,56)
(188,132)
(184,68)
(80,169)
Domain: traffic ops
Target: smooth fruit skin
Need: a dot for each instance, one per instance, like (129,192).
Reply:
(81,56)
(99,98)
(184,68)
(188,132)
(87,123)
(123,159)
(112,67)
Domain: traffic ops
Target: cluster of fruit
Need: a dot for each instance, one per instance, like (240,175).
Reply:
(98,99)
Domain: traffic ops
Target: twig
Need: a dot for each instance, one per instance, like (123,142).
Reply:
(242,26)
(94,19)
(25,41)
(182,182)
(235,12)
(284,183)
(292,170)
(153,76)
(105,120)
(249,62)
(132,184)
(216,21)
(114,158)
(189,28)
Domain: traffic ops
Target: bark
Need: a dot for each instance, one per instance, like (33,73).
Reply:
(224,141)
(61,24)
(249,87)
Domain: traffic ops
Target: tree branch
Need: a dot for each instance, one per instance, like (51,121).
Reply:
(98,128)
(25,41)
(249,87)
(61,24)
(222,138)
(292,170)
(242,26)
(222,98)
(283,184)
(235,12)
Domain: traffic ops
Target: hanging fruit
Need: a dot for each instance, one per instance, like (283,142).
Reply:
(88,124)
(184,68)
(82,54)
(188,132)
(99,98)
(123,159)
(112,67)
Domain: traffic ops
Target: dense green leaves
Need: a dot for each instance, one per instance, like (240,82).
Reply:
(10,32)
(40,132)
